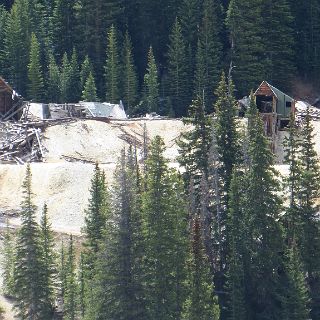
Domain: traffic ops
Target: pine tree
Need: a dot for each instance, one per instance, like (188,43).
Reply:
(129,79)
(4,16)
(210,44)
(70,292)
(151,84)
(309,192)
(201,304)
(112,67)
(177,71)
(29,284)
(17,44)
(89,92)
(119,265)
(95,224)
(164,219)
(195,144)
(35,85)
(236,232)
(228,139)
(86,69)
(295,304)
(49,261)
(7,262)
(54,85)
(265,239)
(74,89)
(63,26)
(279,34)
(65,80)
(244,21)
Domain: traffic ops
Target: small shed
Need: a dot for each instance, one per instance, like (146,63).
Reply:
(271,100)
(275,107)
(10,102)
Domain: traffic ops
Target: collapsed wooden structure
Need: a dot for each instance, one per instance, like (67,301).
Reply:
(275,108)
(11,104)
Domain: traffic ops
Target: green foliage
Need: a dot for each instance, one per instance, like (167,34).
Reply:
(177,71)
(164,223)
(86,69)
(7,262)
(227,136)
(262,208)
(201,303)
(236,232)
(65,74)
(120,261)
(244,21)
(112,67)
(54,85)
(130,80)
(195,144)
(70,290)
(295,304)
(151,84)
(17,44)
(35,84)
(49,261)
(29,276)
(89,92)
(74,91)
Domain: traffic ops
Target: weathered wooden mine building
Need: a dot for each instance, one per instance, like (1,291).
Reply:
(10,102)
(275,108)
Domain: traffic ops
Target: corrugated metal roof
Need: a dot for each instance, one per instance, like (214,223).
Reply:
(98,109)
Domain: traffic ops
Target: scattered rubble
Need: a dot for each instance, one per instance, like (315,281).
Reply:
(20,142)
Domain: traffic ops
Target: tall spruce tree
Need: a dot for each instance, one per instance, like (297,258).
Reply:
(195,144)
(29,275)
(265,241)
(210,47)
(86,69)
(177,71)
(119,264)
(236,308)
(201,303)
(53,85)
(17,44)
(228,139)
(244,21)
(112,67)
(89,92)
(7,262)
(65,79)
(71,286)
(35,77)
(164,225)
(74,93)
(63,22)
(129,78)
(151,84)
(279,35)
(309,192)
(49,262)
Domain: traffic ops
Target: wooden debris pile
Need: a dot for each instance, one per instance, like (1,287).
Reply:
(20,143)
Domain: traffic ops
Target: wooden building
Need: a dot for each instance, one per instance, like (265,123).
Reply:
(275,108)
(10,102)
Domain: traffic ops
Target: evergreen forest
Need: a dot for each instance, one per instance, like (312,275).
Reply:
(226,238)
(156,56)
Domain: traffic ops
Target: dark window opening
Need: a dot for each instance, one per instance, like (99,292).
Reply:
(264,104)
(288,104)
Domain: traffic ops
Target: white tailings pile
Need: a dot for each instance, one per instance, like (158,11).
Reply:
(64,185)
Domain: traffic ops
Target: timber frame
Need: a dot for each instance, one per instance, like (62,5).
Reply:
(275,108)
(11,103)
